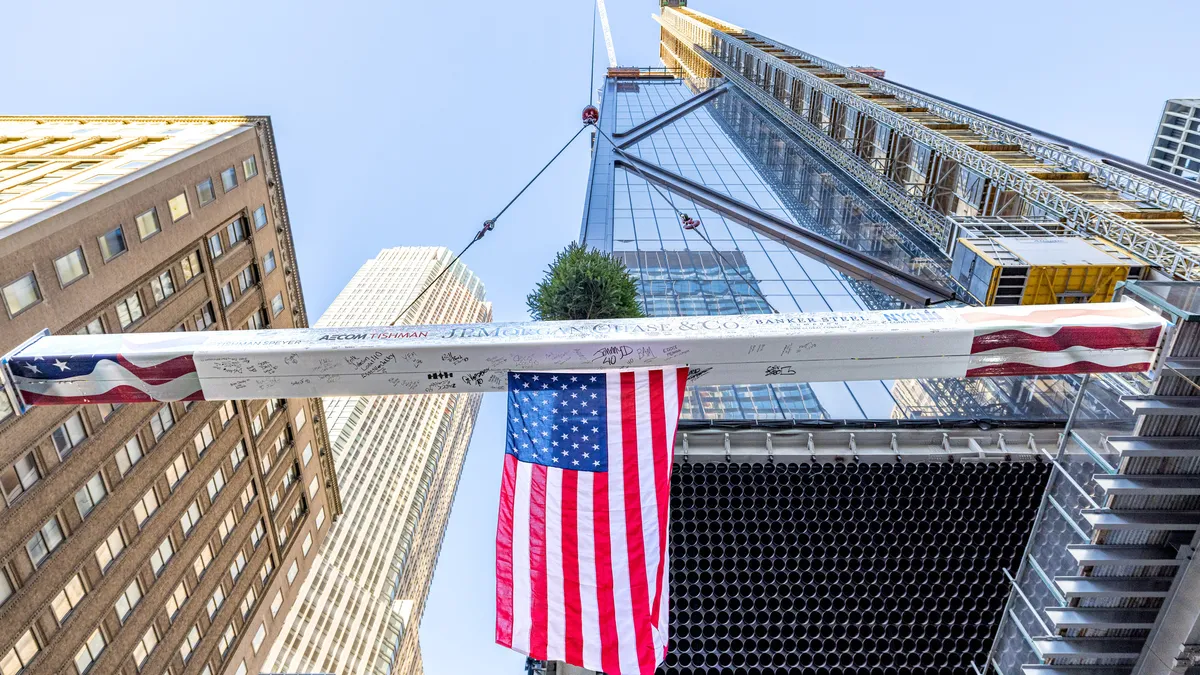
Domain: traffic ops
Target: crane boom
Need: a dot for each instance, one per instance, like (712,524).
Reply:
(608,43)
(740,349)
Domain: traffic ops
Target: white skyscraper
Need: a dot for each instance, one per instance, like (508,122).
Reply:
(398,459)
(1177,144)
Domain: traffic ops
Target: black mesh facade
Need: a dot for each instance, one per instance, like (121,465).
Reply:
(843,568)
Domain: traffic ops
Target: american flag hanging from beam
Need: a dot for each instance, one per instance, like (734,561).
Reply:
(581,535)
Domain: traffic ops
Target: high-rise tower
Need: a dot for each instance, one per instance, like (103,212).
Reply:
(1176,146)
(835,527)
(154,538)
(400,458)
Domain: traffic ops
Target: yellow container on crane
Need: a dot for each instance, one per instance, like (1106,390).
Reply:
(1042,270)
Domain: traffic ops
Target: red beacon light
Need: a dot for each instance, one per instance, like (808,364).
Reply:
(591,114)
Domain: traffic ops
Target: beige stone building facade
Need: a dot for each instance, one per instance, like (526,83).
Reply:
(151,538)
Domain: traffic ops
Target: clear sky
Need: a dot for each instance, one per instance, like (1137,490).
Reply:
(409,123)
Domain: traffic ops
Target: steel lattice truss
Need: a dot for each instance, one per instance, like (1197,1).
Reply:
(756,72)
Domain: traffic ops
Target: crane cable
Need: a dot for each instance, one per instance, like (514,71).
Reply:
(592,64)
(683,216)
(488,226)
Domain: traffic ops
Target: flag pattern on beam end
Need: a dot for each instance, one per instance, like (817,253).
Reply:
(1043,345)
(581,534)
(107,378)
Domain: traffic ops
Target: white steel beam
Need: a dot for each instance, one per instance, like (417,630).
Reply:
(743,349)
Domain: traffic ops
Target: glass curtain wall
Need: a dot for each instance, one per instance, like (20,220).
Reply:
(732,146)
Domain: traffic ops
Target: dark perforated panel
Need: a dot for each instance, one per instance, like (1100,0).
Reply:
(866,569)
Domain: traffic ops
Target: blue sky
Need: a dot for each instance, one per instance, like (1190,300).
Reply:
(409,123)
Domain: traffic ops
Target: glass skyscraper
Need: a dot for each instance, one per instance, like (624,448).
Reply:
(733,146)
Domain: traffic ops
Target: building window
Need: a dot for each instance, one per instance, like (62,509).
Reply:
(189,643)
(307,543)
(236,567)
(112,244)
(246,278)
(162,287)
(200,564)
(248,601)
(128,599)
(162,421)
(227,296)
(44,541)
(179,206)
(250,167)
(216,484)
(129,454)
(129,311)
(307,454)
(145,507)
(229,179)
(292,572)
(204,192)
(161,556)
(260,217)
(62,604)
(203,439)
(300,419)
(277,304)
(68,435)
(21,653)
(190,518)
(227,639)
(269,262)
(22,294)
(141,651)
(320,517)
(256,535)
(265,459)
(204,318)
(258,320)
(110,548)
(215,602)
(313,485)
(236,231)
(176,471)
(248,495)
(60,196)
(214,245)
(277,603)
(88,496)
(265,571)
(226,413)
(176,600)
(147,224)
(6,588)
(256,425)
(90,651)
(191,266)
(238,454)
(71,267)
(19,477)
(225,528)
(93,327)
(106,410)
